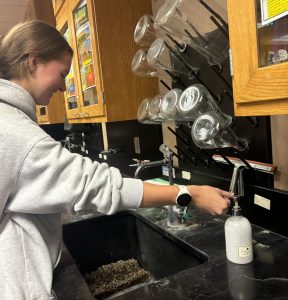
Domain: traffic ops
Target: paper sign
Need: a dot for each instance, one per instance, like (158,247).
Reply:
(272,10)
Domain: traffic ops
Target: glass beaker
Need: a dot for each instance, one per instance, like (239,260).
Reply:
(161,56)
(210,132)
(195,101)
(194,23)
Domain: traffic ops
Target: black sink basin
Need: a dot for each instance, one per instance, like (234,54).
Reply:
(102,240)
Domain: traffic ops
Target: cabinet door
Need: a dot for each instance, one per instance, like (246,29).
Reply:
(260,68)
(87,66)
(72,103)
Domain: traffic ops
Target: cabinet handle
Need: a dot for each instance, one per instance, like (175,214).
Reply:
(86,115)
(77,116)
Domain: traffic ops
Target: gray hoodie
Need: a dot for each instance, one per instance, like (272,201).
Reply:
(39,180)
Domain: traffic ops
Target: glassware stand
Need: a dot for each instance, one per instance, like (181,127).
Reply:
(217,80)
(255,130)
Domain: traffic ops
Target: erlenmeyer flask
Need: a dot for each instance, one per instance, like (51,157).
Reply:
(161,56)
(143,113)
(195,101)
(149,111)
(140,65)
(154,108)
(210,132)
(145,32)
(168,106)
(196,26)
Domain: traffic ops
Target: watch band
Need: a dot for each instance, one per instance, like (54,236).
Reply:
(183,197)
(183,189)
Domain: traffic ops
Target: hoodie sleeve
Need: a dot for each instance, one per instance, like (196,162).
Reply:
(52,179)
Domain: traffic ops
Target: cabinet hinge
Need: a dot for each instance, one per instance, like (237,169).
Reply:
(102,97)
(231,62)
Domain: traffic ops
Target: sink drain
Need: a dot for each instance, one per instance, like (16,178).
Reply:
(115,277)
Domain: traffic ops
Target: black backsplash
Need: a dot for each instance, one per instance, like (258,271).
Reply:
(92,136)
(121,138)
(56,131)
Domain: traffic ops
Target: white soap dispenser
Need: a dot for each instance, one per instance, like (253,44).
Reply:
(238,237)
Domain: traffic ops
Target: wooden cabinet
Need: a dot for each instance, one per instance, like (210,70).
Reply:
(55,111)
(84,94)
(260,82)
(101,86)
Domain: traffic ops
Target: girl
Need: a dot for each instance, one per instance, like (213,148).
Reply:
(37,173)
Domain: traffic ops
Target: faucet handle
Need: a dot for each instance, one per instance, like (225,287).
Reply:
(139,162)
(167,152)
(165,149)
(185,214)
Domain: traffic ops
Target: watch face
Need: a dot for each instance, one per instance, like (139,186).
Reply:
(184,199)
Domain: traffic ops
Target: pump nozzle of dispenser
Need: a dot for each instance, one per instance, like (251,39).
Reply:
(236,209)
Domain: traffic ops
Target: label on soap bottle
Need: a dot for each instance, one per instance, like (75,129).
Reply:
(244,251)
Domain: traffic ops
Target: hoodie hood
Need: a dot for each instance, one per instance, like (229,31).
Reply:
(13,94)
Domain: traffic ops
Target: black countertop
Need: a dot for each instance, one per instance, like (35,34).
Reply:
(264,278)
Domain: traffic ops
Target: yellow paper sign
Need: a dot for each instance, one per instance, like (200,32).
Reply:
(272,10)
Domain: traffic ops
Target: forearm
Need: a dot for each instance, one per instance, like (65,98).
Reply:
(207,198)
(158,195)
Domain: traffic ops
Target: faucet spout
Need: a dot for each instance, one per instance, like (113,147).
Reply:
(176,215)
(145,165)
(236,185)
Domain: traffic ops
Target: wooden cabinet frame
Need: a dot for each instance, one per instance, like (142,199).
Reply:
(95,110)
(63,19)
(257,90)
(62,22)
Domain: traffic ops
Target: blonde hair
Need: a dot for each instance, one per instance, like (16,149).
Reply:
(30,38)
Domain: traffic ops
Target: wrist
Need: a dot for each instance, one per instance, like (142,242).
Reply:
(194,191)
(183,197)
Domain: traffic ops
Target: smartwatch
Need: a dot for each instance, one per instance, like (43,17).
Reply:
(183,198)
